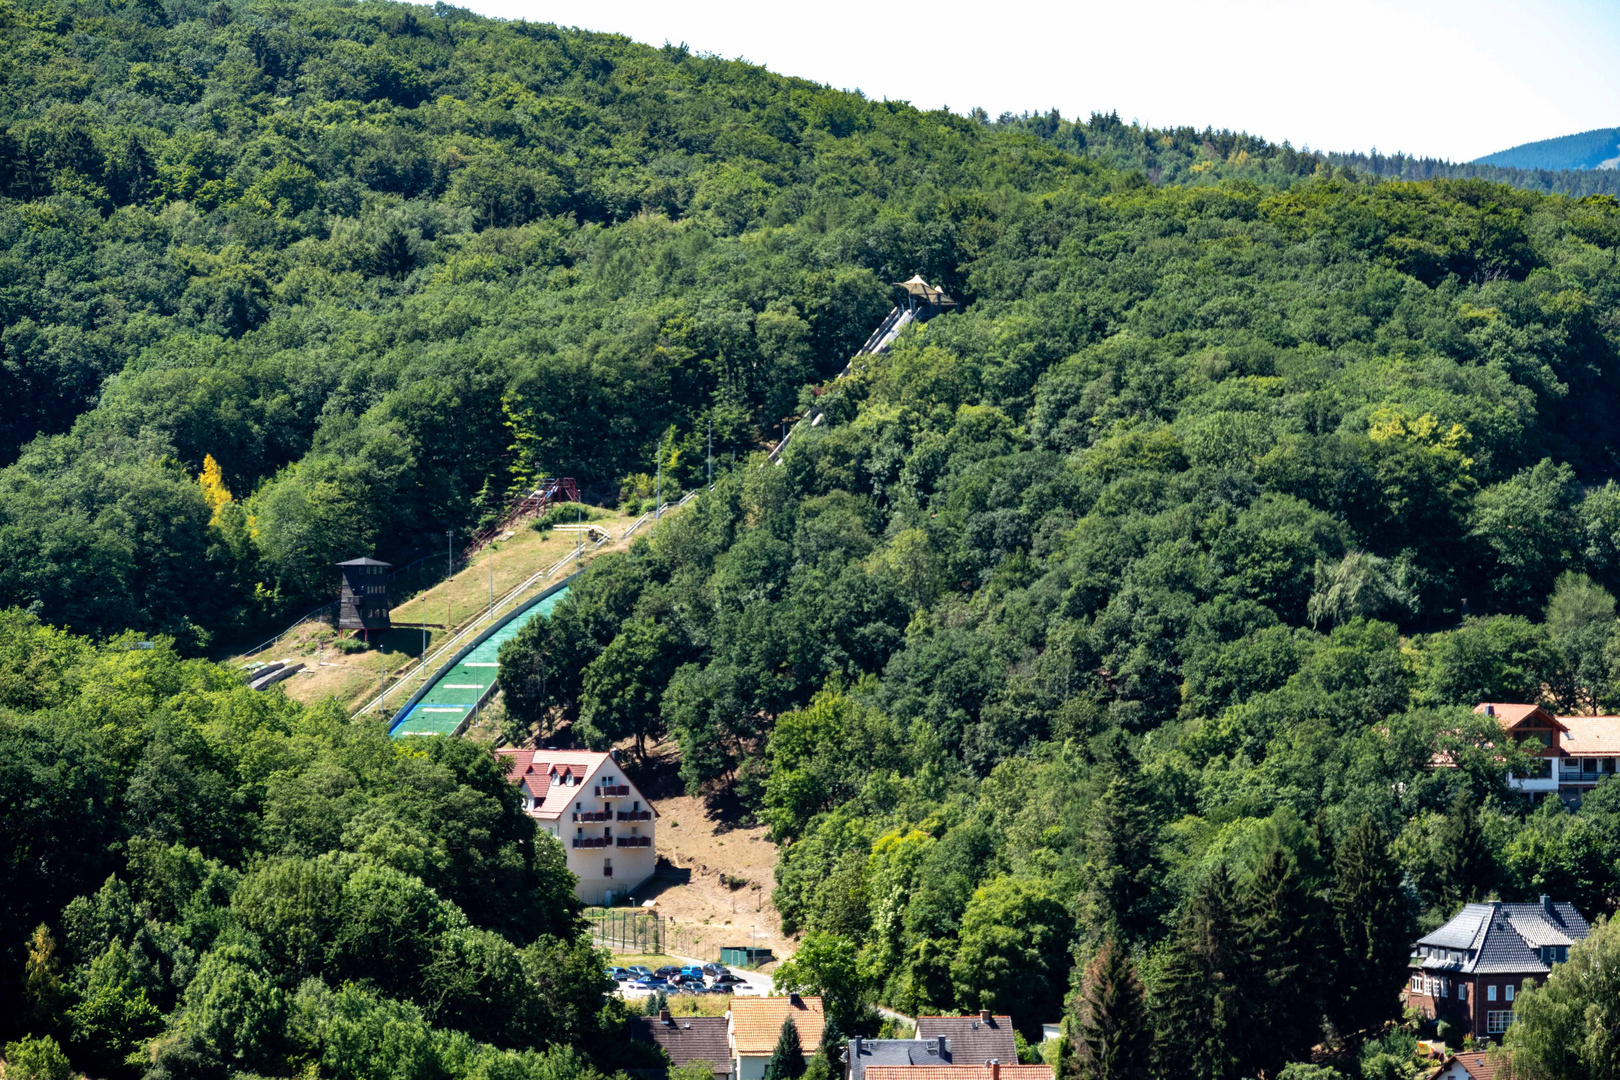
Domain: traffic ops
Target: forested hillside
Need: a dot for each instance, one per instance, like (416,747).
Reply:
(1597,149)
(1188,155)
(201,880)
(1133,604)
(1109,624)
(385,264)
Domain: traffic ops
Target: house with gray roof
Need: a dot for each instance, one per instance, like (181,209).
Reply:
(973,1039)
(1469,971)
(859,1053)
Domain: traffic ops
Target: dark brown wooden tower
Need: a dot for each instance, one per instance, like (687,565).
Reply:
(363,603)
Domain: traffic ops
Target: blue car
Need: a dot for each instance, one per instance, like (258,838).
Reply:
(617,974)
(692,971)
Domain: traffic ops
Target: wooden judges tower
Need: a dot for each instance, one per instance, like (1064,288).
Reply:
(363,603)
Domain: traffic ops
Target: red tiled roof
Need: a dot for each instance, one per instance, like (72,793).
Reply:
(958,1072)
(542,772)
(1478,1064)
(1513,713)
(756,1023)
(1590,736)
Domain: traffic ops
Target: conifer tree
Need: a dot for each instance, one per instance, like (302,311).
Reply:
(1467,868)
(1374,925)
(1277,924)
(1111,1035)
(787,1060)
(1121,861)
(1200,995)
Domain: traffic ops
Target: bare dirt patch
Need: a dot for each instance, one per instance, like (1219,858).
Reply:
(715,872)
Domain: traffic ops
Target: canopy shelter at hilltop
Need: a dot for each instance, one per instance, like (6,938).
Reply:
(922,294)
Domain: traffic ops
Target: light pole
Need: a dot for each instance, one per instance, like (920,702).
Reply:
(711,453)
(449,572)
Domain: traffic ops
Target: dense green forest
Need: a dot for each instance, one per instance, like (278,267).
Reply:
(1188,155)
(386,264)
(1089,656)
(201,880)
(1594,149)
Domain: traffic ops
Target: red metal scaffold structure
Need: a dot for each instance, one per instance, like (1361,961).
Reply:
(547,492)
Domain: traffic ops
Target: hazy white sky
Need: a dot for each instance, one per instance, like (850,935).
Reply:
(1448,78)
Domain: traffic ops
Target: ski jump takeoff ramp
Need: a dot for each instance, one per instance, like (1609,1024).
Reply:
(451,698)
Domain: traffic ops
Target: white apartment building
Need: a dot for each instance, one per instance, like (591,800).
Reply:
(603,822)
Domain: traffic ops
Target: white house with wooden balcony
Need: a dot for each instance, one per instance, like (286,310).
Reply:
(1576,751)
(588,805)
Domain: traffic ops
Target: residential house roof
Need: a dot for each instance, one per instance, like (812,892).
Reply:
(686,1039)
(974,1039)
(555,779)
(863,1054)
(1512,714)
(756,1023)
(1591,736)
(1498,938)
(959,1072)
(1472,1065)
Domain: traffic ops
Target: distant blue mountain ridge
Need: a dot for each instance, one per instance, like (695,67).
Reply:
(1599,149)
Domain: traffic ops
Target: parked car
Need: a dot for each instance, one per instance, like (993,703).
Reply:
(639,971)
(722,988)
(649,983)
(692,971)
(728,979)
(666,971)
(715,969)
(618,974)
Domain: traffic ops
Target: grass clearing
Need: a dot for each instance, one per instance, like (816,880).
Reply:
(424,617)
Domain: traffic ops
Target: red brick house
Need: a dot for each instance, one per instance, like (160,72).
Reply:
(1470,970)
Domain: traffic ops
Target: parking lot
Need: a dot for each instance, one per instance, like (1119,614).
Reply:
(748,984)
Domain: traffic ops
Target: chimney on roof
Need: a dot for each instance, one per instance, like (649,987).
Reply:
(1490,710)
(614,753)
(795,1000)
(995,1069)
(945,1047)
(984,1016)
(857,1041)
(1546,903)
(664,1018)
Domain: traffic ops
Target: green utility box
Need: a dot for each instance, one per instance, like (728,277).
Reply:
(739,956)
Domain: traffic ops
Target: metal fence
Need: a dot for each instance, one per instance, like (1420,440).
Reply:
(627,930)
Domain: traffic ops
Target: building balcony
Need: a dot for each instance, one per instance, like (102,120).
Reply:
(593,815)
(613,791)
(635,815)
(591,841)
(633,841)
